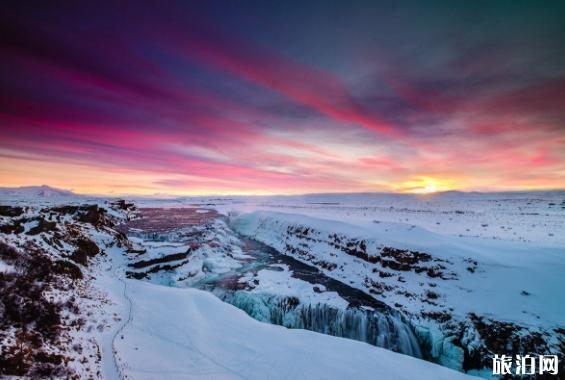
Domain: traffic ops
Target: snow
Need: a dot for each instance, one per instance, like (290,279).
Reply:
(147,330)
(494,290)
(501,280)
(537,216)
(109,279)
(283,284)
(190,334)
(6,268)
(267,289)
(34,192)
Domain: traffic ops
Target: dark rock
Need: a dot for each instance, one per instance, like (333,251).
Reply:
(94,215)
(8,253)
(164,259)
(441,317)
(405,256)
(156,268)
(136,251)
(325,265)
(65,210)
(136,275)
(15,227)
(499,337)
(42,226)
(85,248)
(432,295)
(68,269)
(11,211)
(288,303)
(122,205)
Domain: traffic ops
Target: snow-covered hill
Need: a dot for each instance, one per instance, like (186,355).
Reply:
(51,313)
(33,192)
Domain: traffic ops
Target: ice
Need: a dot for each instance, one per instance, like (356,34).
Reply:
(389,331)
(190,334)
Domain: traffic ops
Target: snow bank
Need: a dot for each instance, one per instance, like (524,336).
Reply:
(190,334)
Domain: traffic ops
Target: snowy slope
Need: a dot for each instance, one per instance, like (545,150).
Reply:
(31,192)
(53,316)
(190,334)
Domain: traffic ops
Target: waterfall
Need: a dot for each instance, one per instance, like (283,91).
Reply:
(383,327)
(387,330)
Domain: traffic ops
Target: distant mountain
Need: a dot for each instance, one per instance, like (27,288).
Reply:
(43,191)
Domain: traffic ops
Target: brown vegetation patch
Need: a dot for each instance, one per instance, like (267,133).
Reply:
(11,211)
(85,248)
(42,226)
(32,313)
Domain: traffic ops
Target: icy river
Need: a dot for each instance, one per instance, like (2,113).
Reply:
(359,316)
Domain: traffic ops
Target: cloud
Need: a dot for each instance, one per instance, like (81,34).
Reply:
(184,98)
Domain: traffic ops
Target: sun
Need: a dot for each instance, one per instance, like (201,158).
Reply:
(430,187)
(424,185)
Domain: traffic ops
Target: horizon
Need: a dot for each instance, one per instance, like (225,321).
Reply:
(265,99)
(427,195)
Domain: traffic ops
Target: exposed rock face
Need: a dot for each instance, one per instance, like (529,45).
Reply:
(159,260)
(85,248)
(175,260)
(387,257)
(92,214)
(11,211)
(122,205)
(14,227)
(42,226)
(507,337)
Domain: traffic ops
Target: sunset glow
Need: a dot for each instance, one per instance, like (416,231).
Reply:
(211,98)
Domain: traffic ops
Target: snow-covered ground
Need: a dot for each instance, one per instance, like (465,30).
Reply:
(471,274)
(118,328)
(537,217)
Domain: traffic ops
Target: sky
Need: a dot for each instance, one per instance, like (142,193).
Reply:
(282,97)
